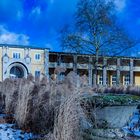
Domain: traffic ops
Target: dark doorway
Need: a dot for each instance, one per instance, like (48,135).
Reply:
(17,72)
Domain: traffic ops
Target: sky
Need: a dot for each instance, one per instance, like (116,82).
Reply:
(38,22)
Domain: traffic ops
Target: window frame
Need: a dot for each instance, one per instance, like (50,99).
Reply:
(101,79)
(127,79)
(114,82)
(37,73)
(37,57)
(16,55)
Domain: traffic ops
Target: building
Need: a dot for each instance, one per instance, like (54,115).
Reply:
(19,61)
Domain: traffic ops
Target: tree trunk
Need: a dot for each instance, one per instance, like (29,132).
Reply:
(95,71)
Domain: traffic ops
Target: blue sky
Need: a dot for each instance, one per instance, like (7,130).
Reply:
(37,22)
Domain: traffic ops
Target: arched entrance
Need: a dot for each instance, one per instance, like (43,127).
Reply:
(17,70)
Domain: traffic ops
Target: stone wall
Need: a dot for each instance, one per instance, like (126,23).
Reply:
(115,116)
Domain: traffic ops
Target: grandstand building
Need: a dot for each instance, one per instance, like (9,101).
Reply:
(18,61)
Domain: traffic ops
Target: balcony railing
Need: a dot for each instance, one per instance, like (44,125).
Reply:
(86,66)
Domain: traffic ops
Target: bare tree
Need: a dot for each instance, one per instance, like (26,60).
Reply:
(96,31)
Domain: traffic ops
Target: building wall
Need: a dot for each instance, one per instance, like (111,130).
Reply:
(31,64)
(37,65)
(137,78)
(10,52)
(69,62)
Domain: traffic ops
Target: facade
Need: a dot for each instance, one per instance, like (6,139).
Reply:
(19,61)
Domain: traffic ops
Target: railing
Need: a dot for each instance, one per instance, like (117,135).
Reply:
(136,68)
(85,66)
(68,65)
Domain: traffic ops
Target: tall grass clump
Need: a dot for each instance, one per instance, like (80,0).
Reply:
(68,123)
(53,106)
(9,93)
(39,101)
(24,107)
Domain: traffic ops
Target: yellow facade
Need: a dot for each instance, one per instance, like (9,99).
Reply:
(122,78)
(10,52)
(22,59)
(30,64)
(137,78)
(37,64)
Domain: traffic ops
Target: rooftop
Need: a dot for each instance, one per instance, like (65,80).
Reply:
(64,53)
(23,46)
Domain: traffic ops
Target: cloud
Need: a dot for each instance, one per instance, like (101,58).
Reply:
(120,5)
(7,37)
(36,11)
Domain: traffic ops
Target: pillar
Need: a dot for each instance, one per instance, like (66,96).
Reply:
(60,65)
(59,60)
(3,50)
(131,72)
(47,63)
(104,72)
(25,52)
(75,63)
(90,71)
(118,71)
(7,48)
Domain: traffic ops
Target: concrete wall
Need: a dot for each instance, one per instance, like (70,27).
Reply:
(116,116)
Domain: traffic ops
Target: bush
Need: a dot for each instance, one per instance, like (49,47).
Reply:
(51,106)
(9,91)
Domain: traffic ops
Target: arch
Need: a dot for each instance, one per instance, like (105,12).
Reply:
(17,70)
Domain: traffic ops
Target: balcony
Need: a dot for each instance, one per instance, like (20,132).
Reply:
(137,68)
(68,65)
(85,66)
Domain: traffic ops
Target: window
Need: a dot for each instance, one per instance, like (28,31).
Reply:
(114,79)
(100,79)
(37,73)
(37,56)
(127,79)
(62,76)
(16,55)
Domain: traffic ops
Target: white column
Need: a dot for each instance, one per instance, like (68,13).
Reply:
(25,52)
(47,63)
(7,48)
(118,71)
(75,63)
(90,73)
(104,71)
(28,51)
(3,50)
(59,60)
(131,72)
(58,65)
